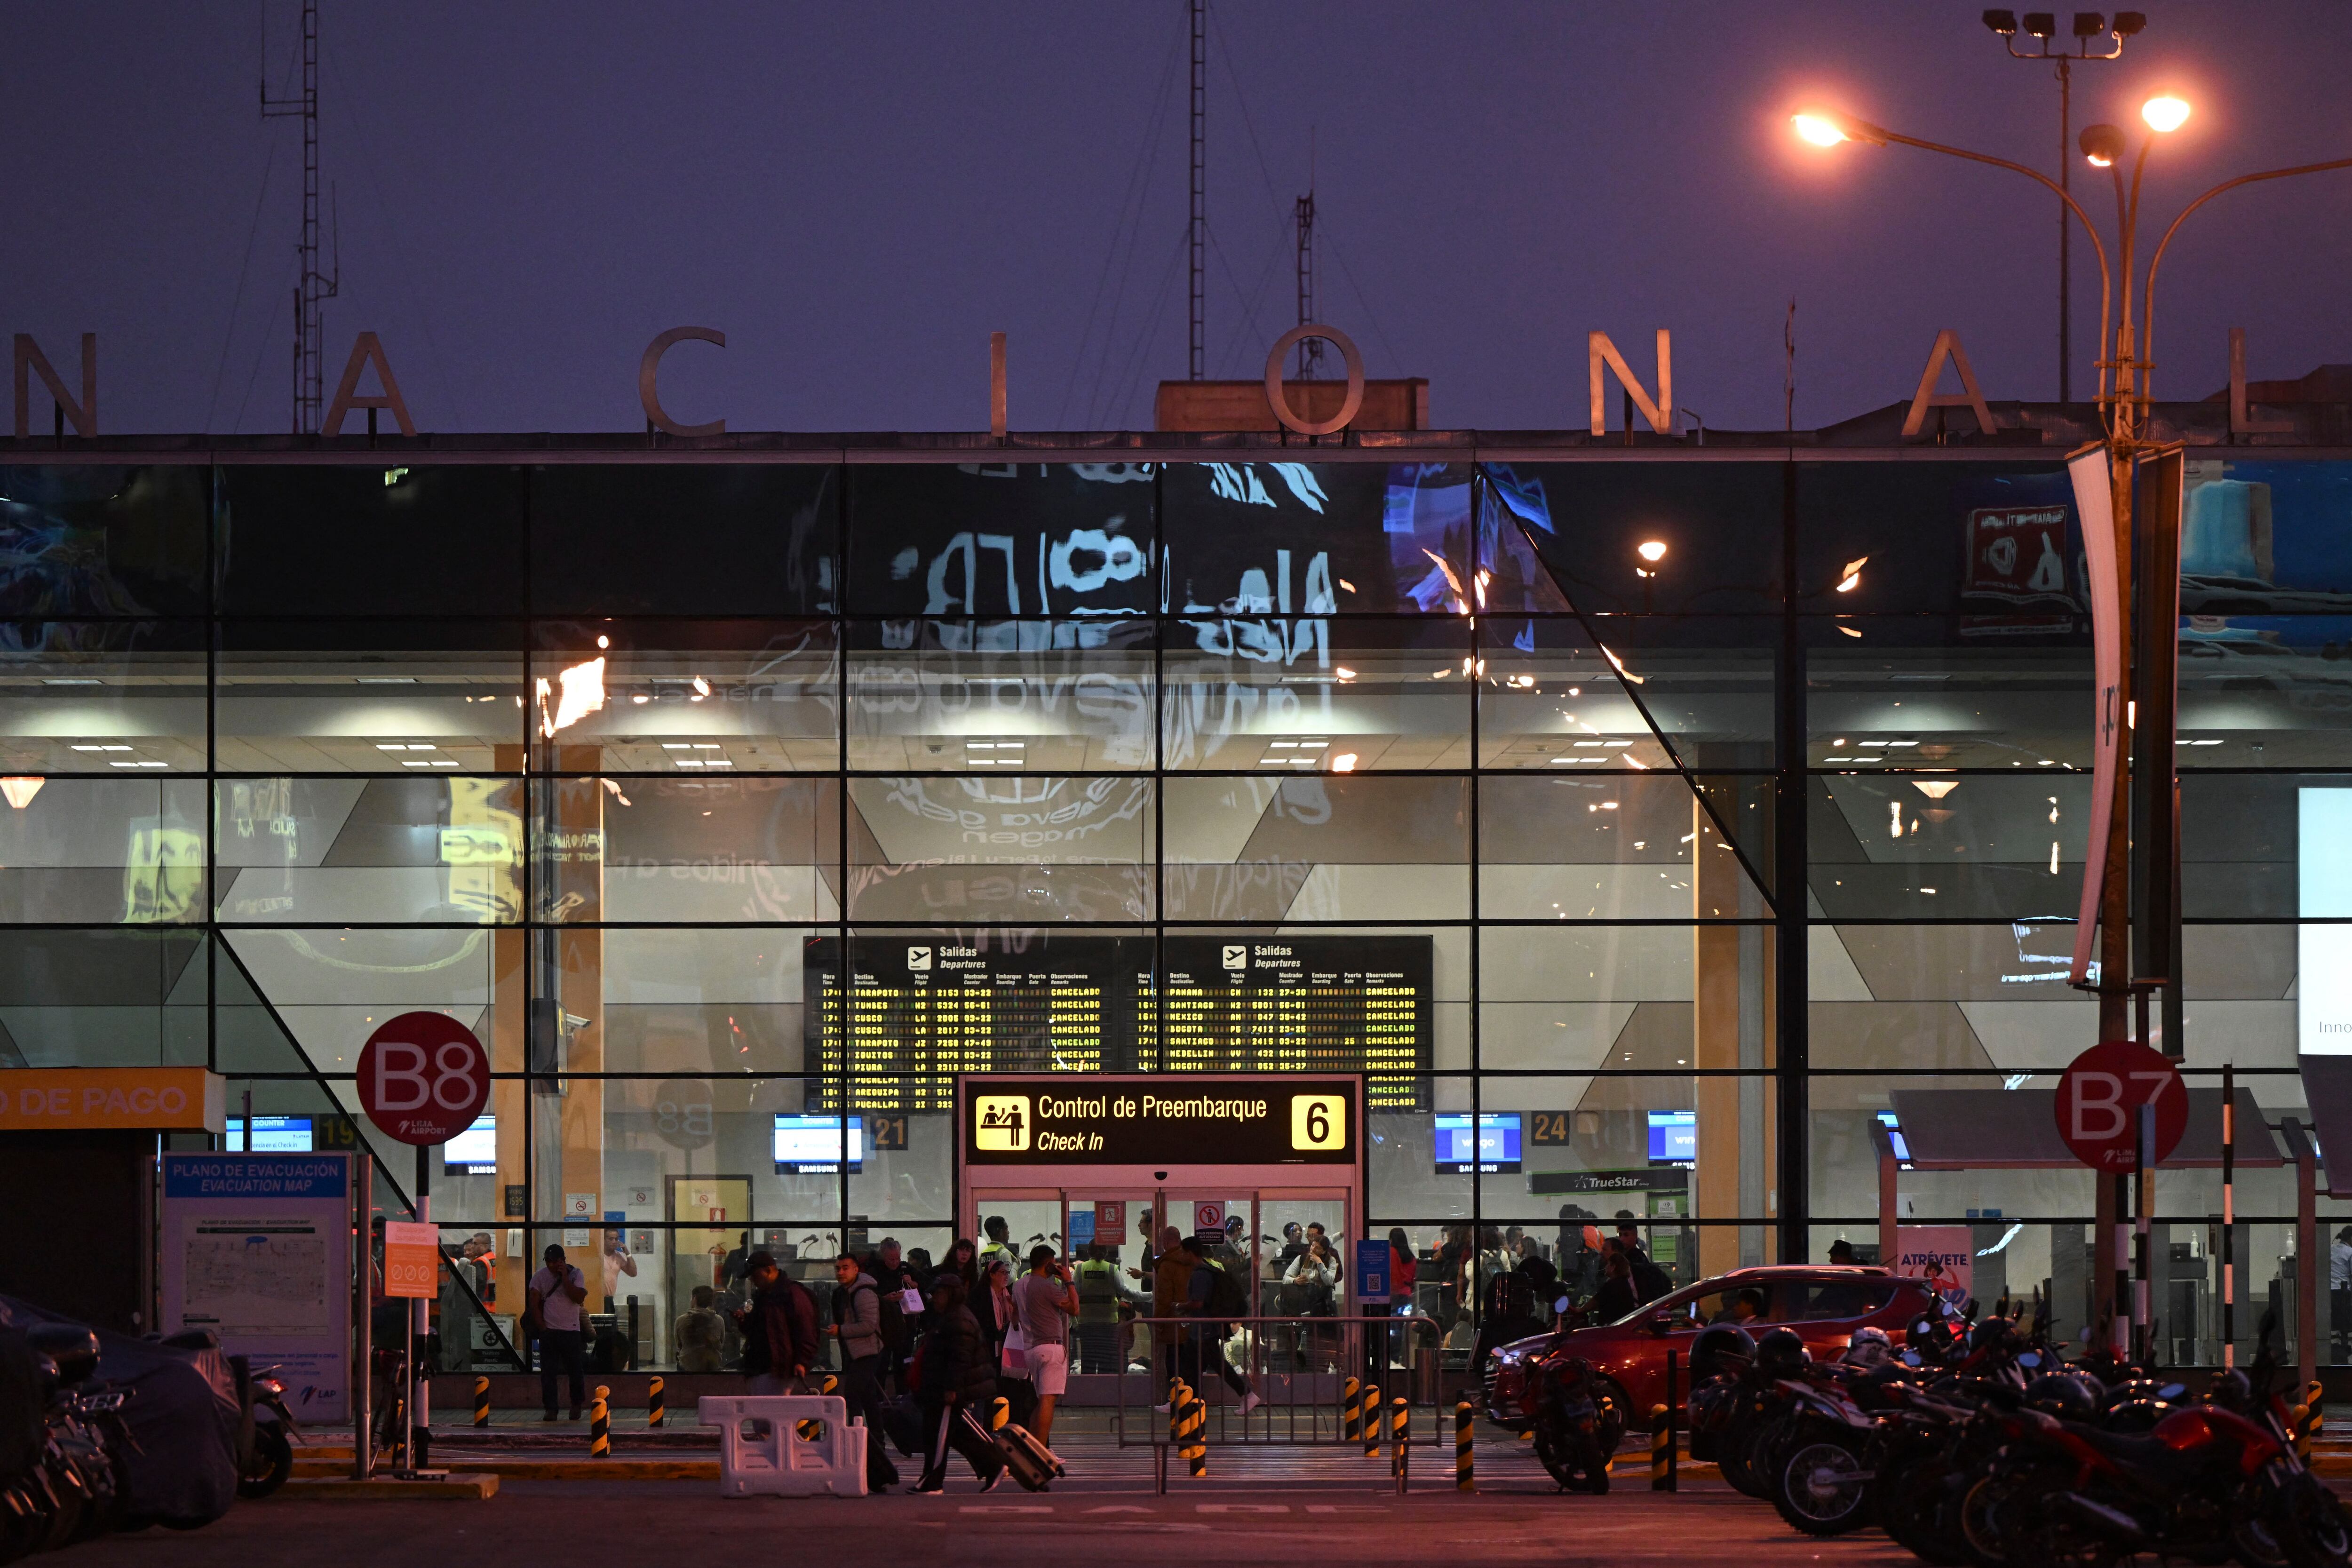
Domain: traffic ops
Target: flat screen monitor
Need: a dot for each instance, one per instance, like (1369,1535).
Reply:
(1894,1136)
(1673,1137)
(811,1145)
(474,1151)
(271,1135)
(1494,1151)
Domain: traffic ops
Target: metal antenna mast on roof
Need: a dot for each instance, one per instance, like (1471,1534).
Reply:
(1200,234)
(1310,350)
(312,286)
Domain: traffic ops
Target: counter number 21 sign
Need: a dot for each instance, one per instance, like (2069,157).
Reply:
(1318,1123)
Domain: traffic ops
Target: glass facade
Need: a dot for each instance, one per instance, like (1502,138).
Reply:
(1662,870)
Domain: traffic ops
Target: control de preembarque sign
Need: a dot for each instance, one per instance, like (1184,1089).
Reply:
(1171,1118)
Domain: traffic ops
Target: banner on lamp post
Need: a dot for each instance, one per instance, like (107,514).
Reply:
(2094,503)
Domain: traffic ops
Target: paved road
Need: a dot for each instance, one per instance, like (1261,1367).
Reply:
(1322,1525)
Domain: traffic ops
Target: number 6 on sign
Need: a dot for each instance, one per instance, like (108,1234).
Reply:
(1318,1122)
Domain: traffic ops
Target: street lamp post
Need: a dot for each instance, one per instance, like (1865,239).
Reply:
(2042,26)
(2152,563)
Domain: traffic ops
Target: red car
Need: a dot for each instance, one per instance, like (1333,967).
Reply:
(1825,1305)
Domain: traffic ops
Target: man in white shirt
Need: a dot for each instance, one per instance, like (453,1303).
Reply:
(617,1263)
(556,1293)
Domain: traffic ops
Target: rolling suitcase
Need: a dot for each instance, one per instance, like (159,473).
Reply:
(1029,1462)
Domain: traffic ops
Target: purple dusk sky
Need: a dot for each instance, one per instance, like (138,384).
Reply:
(858,194)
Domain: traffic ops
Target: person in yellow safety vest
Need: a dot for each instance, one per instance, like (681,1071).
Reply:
(1098,1296)
(999,1247)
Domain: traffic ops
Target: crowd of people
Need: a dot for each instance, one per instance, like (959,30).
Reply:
(924,1350)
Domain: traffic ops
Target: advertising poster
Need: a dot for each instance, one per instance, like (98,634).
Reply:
(1940,1254)
(257,1247)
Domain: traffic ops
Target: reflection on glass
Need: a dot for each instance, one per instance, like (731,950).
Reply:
(695,698)
(88,697)
(1316,695)
(356,697)
(1002,695)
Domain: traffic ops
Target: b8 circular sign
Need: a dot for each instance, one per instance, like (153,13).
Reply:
(424,1077)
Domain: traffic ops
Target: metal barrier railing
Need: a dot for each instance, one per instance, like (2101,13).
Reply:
(1305,1380)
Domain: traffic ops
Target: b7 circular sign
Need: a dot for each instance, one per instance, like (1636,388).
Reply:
(2099,1099)
(424,1077)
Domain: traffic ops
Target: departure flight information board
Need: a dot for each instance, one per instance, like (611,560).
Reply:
(918,1010)
(1331,1003)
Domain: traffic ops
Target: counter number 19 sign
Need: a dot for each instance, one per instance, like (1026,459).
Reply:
(424,1077)
(2099,1099)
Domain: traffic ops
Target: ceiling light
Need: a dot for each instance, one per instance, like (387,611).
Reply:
(701,686)
(71,680)
(1935,789)
(383,681)
(20,792)
(1344,673)
(1345,763)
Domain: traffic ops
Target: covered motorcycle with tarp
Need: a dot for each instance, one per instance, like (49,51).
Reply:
(180,1416)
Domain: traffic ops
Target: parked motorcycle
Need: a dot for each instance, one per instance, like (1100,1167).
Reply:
(1577,1423)
(75,1488)
(2208,1482)
(268,1457)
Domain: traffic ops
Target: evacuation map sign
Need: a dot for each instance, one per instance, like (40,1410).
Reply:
(257,1248)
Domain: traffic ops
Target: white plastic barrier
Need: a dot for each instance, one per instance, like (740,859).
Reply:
(772,1459)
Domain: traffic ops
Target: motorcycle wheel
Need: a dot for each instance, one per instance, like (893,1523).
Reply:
(1980,1525)
(1822,1488)
(2251,1543)
(1573,1460)
(2308,1523)
(1760,1457)
(269,1464)
(1911,1509)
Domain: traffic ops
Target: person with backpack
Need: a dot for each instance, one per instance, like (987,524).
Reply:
(892,1278)
(780,1338)
(1215,1299)
(955,1374)
(858,1326)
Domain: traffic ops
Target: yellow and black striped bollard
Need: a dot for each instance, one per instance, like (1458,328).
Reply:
(1372,1421)
(1464,1475)
(654,1404)
(1196,1446)
(1400,1438)
(481,1402)
(811,1430)
(1351,1417)
(1662,1447)
(2304,1419)
(600,1425)
(1179,1400)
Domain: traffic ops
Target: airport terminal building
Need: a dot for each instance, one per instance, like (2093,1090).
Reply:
(1621,825)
